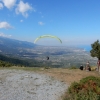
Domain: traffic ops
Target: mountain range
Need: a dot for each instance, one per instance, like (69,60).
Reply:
(12,46)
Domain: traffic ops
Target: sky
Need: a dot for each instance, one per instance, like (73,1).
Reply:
(75,22)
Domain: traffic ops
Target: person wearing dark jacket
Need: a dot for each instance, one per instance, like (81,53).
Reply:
(81,67)
(47,58)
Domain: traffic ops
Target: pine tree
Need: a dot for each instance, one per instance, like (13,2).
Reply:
(95,52)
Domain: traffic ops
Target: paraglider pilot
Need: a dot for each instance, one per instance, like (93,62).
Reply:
(47,58)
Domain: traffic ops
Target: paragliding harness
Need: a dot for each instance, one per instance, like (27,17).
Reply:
(47,58)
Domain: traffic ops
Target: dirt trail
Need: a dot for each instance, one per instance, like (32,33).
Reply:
(69,75)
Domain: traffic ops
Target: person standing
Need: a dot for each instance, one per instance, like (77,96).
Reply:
(88,66)
(98,64)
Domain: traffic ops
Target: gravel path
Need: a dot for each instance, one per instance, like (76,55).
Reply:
(24,85)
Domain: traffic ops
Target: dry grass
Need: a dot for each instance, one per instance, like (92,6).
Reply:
(63,74)
(69,75)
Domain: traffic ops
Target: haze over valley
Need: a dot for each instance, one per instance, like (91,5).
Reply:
(60,56)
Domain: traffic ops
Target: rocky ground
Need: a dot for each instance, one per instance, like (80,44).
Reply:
(26,85)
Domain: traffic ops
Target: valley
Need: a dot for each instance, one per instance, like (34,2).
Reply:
(60,56)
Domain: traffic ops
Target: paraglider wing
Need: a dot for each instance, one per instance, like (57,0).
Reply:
(45,36)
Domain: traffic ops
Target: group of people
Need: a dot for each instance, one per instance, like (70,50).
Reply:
(88,68)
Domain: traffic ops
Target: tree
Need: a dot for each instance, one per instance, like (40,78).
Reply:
(95,52)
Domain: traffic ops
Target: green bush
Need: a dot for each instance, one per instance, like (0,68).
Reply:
(91,78)
(5,64)
(87,89)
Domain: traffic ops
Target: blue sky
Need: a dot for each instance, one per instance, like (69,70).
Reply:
(75,22)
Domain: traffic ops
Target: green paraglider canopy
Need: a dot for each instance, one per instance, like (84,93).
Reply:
(47,36)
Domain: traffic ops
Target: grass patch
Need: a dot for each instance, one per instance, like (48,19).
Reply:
(23,68)
(73,67)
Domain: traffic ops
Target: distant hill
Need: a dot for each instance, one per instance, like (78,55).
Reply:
(12,46)
(12,61)
(6,61)
(11,51)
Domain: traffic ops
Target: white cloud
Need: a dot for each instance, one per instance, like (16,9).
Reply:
(1,6)
(21,20)
(40,23)
(9,3)
(5,25)
(4,35)
(23,8)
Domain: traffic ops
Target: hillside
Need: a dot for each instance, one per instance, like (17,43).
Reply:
(13,47)
(62,56)
(6,61)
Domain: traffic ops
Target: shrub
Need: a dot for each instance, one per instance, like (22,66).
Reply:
(87,89)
